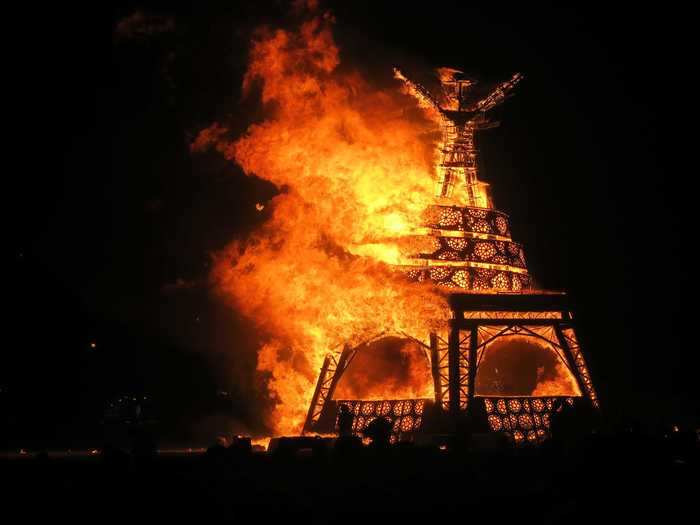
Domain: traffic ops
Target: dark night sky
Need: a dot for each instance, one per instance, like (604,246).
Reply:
(112,221)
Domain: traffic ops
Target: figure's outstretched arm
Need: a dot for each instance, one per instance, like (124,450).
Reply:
(499,94)
(422,94)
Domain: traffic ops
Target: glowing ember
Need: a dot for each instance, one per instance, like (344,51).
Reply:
(263,442)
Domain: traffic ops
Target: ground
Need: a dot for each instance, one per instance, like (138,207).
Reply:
(599,479)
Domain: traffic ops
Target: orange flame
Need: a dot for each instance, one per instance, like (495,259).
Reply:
(389,368)
(354,178)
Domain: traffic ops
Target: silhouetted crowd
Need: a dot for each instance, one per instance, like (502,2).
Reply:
(584,471)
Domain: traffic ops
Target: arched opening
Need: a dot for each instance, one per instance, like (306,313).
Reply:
(387,368)
(517,365)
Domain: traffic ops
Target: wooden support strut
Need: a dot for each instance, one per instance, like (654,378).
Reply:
(435,368)
(472,363)
(570,357)
(343,362)
(314,400)
(453,369)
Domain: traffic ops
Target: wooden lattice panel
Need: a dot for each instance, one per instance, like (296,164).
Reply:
(473,220)
(487,251)
(470,249)
(473,279)
(406,415)
(523,418)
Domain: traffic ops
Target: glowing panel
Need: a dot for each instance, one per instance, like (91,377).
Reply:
(512,315)
(405,415)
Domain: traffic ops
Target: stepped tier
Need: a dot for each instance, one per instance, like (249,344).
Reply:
(468,248)
(477,221)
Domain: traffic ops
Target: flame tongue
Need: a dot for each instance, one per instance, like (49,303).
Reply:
(356,181)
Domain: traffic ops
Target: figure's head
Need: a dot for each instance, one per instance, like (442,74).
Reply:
(448,74)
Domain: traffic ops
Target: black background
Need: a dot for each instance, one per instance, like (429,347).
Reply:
(112,221)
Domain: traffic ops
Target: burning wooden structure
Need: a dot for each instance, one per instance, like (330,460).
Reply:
(507,346)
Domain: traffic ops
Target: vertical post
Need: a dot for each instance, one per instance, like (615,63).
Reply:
(471,363)
(453,368)
(435,368)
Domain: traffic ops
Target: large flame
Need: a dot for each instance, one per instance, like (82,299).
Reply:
(354,178)
(389,368)
(516,365)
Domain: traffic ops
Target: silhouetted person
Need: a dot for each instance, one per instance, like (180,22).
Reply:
(217,453)
(475,423)
(345,421)
(683,443)
(379,431)
(115,459)
(347,446)
(240,448)
(144,448)
(571,424)
(478,419)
